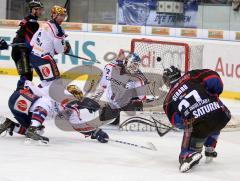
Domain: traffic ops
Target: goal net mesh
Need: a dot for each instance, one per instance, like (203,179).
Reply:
(158,55)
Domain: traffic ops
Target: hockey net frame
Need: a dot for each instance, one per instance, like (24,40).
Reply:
(149,41)
(169,53)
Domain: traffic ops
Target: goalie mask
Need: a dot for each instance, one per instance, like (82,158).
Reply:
(133,63)
(171,75)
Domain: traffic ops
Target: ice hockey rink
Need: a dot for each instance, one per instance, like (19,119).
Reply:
(69,156)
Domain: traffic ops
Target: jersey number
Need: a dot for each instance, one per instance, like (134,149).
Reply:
(39,43)
(185,103)
(107,70)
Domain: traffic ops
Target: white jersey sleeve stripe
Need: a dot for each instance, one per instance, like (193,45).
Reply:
(54,32)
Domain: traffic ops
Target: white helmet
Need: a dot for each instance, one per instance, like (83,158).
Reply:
(133,63)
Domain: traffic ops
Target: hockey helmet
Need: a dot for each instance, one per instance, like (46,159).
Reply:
(58,11)
(171,75)
(133,63)
(35,4)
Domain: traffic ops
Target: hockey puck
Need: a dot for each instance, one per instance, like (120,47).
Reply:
(159,59)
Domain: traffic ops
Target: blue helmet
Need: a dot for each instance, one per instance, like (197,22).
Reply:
(133,63)
(134,58)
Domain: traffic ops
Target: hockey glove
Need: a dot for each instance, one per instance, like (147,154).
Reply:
(67,47)
(90,104)
(3,44)
(75,91)
(100,135)
(177,121)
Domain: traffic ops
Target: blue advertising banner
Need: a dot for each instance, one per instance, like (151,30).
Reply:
(144,13)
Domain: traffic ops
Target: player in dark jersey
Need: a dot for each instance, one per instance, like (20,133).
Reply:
(193,104)
(20,54)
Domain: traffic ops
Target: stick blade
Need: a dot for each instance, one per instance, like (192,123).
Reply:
(152,146)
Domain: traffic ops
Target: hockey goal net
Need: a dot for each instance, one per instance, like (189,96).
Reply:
(157,55)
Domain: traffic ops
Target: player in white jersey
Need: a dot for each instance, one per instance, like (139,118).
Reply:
(123,85)
(31,106)
(48,41)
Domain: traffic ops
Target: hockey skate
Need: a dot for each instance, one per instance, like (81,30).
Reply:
(8,126)
(210,153)
(190,161)
(33,134)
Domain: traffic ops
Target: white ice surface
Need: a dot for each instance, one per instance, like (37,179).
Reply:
(71,157)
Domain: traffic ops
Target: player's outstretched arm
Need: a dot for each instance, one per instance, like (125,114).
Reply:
(99,135)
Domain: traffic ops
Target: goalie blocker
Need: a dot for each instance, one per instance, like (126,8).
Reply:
(193,104)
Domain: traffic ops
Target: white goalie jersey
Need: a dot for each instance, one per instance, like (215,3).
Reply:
(120,86)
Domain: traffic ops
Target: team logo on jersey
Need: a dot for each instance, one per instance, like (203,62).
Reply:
(22,105)
(46,71)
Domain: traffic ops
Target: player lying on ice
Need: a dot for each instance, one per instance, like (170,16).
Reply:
(193,104)
(124,86)
(31,106)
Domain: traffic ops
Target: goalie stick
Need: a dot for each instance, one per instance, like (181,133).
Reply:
(151,123)
(149,147)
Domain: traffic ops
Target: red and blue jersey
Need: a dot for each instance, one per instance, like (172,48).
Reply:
(194,95)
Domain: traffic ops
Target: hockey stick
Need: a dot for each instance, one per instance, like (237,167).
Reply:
(66,4)
(148,122)
(2,119)
(75,56)
(67,7)
(151,146)
(158,131)
(145,121)
(17,44)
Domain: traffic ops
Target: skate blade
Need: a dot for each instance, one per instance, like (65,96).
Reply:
(29,141)
(185,167)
